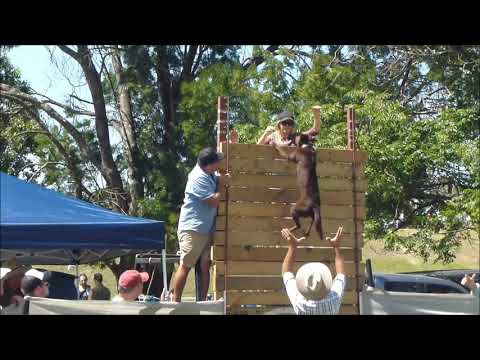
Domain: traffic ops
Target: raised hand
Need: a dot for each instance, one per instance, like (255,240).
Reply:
(287,235)
(335,242)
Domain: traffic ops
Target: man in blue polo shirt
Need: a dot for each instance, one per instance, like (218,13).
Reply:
(197,219)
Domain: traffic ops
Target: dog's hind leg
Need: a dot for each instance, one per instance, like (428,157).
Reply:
(318,221)
(310,227)
(295,217)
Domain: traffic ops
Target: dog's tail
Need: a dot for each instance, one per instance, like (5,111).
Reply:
(317,219)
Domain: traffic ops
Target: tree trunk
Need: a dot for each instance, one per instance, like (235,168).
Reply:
(126,117)
(13,93)
(169,90)
(165,88)
(101,124)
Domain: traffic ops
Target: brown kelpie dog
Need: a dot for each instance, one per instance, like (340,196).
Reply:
(308,205)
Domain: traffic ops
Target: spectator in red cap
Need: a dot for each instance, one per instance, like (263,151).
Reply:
(130,285)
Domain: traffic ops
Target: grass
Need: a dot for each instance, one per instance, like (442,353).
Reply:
(382,261)
(467,257)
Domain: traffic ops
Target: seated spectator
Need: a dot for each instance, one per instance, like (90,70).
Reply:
(10,286)
(3,272)
(99,292)
(130,285)
(35,283)
(84,290)
(469,282)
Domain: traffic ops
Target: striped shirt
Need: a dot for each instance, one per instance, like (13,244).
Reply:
(330,305)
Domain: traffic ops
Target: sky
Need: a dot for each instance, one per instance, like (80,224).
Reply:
(35,65)
(49,75)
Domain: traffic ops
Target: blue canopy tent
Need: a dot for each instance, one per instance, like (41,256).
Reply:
(41,226)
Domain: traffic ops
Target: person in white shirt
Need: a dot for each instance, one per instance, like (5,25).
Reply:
(312,291)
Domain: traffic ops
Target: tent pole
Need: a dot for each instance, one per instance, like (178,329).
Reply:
(78,281)
(164,269)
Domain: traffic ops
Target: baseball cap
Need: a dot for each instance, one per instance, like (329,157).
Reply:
(4,271)
(132,278)
(209,156)
(284,115)
(314,281)
(43,276)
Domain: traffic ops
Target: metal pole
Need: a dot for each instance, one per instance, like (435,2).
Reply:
(164,268)
(78,281)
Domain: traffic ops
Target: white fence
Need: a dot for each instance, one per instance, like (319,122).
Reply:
(40,306)
(380,302)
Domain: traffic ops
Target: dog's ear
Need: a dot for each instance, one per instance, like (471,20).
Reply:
(298,139)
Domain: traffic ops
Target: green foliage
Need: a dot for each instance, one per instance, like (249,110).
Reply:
(17,134)
(155,208)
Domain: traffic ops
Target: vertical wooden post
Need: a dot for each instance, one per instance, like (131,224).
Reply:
(351,140)
(223,137)
(222,120)
(351,145)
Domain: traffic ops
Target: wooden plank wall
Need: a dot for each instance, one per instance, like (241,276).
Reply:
(263,187)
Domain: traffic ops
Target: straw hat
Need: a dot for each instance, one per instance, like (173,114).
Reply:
(314,281)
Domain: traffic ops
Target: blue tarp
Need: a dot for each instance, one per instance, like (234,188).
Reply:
(36,222)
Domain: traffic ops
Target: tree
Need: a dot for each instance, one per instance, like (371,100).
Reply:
(17,136)
(153,159)
(422,142)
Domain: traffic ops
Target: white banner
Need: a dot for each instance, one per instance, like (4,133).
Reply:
(42,306)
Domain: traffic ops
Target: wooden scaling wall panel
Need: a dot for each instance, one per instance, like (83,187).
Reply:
(263,188)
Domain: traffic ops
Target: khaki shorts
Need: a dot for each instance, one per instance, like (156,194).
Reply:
(192,246)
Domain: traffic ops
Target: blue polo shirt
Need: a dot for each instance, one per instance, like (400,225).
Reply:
(195,214)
